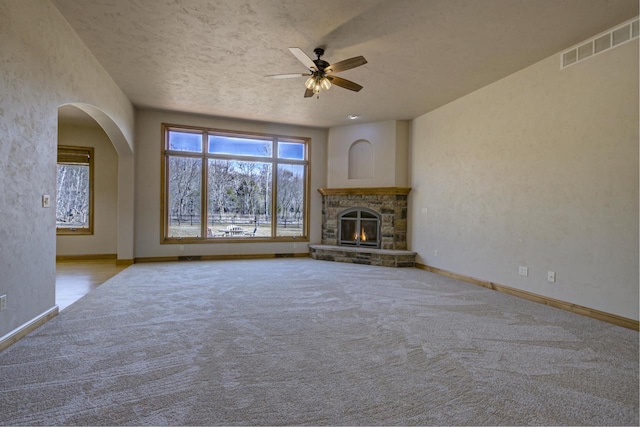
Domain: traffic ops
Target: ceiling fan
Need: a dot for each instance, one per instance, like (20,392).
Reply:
(321,72)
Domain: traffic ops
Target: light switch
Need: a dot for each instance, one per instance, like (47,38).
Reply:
(46,201)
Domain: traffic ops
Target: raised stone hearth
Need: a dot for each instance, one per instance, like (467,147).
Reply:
(389,202)
(368,256)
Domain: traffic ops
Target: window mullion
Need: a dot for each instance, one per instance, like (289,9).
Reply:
(169,153)
(274,188)
(204,198)
(166,214)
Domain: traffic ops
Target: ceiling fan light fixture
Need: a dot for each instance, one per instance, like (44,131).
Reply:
(325,83)
(311,82)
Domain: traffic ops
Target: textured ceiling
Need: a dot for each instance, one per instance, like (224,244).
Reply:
(210,56)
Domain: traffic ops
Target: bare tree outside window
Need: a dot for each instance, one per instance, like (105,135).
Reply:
(184,196)
(74,190)
(290,199)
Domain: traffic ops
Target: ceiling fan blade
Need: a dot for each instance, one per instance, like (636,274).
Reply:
(347,64)
(344,83)
(308,93)
(302,57)
(286,76)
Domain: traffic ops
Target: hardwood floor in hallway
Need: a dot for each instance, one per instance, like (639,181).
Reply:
(76,278)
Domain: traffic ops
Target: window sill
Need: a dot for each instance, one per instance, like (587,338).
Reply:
(74,232)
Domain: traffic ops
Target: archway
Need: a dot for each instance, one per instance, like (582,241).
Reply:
(125,173)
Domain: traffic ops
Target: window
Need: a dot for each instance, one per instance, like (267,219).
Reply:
(74,190)
(232,186)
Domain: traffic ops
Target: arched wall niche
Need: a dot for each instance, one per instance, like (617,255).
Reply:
(361,160)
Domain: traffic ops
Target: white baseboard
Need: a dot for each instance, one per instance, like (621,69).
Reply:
(18,333)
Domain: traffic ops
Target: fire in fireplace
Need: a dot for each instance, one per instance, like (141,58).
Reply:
(359,226)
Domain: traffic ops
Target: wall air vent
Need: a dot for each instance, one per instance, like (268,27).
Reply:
(602,42)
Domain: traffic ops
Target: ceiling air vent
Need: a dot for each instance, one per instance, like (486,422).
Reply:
(615,37)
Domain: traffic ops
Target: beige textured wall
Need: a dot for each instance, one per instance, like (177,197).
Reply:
(147,165)
(539,169)
(389,154)
(403,129)
(43,64)
(105,187)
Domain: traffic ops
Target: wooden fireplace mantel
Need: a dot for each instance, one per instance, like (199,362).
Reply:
(365,191)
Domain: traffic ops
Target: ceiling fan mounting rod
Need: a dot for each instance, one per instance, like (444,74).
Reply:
(320,63)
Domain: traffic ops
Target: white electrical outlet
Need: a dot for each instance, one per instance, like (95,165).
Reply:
(435,253)
(46,201)
(425,211)
(3,302)
(551,276)
(181,248)
(523,271)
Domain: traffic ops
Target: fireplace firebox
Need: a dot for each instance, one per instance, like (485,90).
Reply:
(359,226)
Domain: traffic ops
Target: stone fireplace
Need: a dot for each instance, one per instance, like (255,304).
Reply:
(365,226)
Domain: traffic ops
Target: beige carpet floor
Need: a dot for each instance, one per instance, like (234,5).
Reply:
(298,341)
